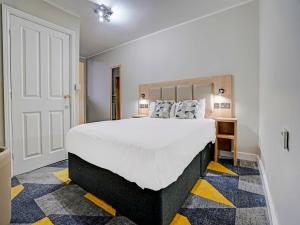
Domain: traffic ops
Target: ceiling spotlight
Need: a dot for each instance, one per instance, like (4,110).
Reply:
(104,12)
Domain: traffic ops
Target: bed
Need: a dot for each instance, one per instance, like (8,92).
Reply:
(145,167)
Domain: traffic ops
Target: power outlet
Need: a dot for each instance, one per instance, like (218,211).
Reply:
(216,105)
(225,105)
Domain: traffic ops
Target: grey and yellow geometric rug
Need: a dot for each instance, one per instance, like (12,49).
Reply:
(227,195)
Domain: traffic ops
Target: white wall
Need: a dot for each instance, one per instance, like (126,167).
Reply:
(226,43)
(98,91)
(47,12)
(280,104)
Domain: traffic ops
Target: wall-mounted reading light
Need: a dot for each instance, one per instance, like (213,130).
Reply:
(221,91)
(220,101)
(104,12)
(143,102)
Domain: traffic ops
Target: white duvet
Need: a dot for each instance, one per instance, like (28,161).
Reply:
(153,153)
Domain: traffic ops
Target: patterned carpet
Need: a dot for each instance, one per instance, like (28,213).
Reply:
(227,195)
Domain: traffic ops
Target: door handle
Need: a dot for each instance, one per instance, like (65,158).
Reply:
(67,97)
(67,101)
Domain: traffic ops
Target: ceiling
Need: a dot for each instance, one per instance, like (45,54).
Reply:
(133,18)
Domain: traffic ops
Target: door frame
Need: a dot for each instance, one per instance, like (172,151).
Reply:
(110,91)
(6,13)
(83,60)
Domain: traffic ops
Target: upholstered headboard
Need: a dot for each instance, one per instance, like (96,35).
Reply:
(196,88)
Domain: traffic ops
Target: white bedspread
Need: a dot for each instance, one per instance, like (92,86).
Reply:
(153,153)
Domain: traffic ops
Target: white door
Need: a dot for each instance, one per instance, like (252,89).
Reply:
(40,84)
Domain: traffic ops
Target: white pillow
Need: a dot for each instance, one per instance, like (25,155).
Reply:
(151,108)
(173,110)
(201,109)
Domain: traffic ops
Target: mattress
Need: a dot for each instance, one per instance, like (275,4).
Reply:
(150,152)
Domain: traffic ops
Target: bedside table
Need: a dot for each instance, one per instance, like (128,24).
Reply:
(139,116)
(226,129)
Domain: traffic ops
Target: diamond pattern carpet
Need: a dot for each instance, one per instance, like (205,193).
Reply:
(227,195)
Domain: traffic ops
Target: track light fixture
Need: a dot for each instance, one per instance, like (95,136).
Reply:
(104,12)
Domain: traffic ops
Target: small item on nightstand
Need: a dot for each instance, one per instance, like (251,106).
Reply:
(139,116)
(226,135)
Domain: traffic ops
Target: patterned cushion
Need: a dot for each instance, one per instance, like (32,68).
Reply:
(151,108)
(187,109)
(162,109)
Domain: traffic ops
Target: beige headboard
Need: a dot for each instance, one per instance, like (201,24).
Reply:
(196,88)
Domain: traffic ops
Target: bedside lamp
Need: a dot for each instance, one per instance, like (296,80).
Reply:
(143,105)
(143,102)
(221,92)
(219,97)
(221,102)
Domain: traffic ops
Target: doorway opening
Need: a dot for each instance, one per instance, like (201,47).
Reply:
(82,91)
(116,93)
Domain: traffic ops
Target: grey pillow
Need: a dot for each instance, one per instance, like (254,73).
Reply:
(187,109)
(162,109)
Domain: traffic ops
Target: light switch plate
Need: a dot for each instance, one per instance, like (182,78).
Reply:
(216,105)
(285,136)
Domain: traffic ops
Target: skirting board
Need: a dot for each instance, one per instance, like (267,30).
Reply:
(241,155)
(270,204)
(269,200)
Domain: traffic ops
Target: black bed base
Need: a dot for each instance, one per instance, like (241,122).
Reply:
(143,206)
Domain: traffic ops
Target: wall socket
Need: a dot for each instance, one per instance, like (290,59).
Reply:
(225,105)
(222,105)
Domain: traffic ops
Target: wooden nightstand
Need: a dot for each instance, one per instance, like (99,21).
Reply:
(226,133)
(139,116)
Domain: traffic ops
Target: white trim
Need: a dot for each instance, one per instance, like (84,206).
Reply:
(6,81)
(6,13)
(247,156)
(172,27)
(61,8)
(269,200)
(241,155)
